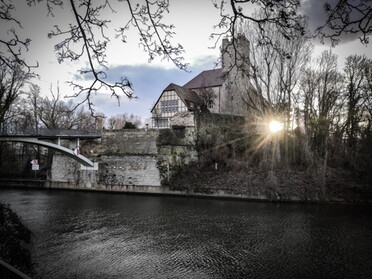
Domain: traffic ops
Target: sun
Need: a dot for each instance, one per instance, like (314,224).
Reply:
(275,126)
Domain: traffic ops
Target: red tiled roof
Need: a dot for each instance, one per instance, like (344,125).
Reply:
(209,78)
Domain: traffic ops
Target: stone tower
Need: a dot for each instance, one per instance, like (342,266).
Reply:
(235,67)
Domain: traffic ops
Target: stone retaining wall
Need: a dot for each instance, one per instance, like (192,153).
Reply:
(125,157)
(138,157)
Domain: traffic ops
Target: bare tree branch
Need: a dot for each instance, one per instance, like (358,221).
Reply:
(11,48)
(89,32)
(155,35)
(282,14)
(87,37)
(347,17)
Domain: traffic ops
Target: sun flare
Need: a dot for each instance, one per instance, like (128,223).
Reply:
(275,126)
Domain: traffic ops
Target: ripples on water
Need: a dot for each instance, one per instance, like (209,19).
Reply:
(98,235)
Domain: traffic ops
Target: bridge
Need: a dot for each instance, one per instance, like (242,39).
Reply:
(44,137)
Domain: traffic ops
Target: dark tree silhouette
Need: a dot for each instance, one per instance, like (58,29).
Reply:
(88,31)
(283,14)
(86,36)
(236,14)
(347,17)
(12,79)
(11,48)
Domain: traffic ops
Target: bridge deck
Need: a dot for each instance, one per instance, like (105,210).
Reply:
(42,135)
(54,134)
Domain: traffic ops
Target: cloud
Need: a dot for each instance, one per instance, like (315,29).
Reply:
(315,11)
(148,83)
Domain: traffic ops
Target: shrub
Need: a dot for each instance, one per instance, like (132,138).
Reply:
(129,125)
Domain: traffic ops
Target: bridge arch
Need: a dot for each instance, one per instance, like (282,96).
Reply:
(68,152)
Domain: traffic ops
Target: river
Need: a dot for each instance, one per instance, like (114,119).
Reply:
(105,235)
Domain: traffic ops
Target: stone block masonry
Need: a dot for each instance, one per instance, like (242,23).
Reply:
(133,159)
(128,171)
(121,143)
(125,158)
(64,169)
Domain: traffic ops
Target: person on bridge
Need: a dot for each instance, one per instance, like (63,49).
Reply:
(77,151)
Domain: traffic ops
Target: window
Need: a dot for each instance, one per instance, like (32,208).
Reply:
(169,106)
(210,104)
(161,123)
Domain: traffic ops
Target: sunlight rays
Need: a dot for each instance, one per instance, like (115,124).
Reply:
(275,126)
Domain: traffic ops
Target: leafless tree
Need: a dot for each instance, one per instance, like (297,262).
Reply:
(12,79)
(89,33)
(54,113)
(282,14)
(236,14)
(347,18)
(321,88)
(12,47)
(208,97)
(118,122)
(274,73)
(86,37)
(290,70)
(343,18)
(356,97)
(263,60)
(83,120)
(35,101)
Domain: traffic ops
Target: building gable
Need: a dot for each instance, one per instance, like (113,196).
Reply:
(168,88)
(226,90)
(189,98)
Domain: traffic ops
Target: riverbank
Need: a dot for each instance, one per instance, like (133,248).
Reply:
(239,182)
(286,186)
(23,182)
(337,185)
(15,241)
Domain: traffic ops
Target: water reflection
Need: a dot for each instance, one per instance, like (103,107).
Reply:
(97,235)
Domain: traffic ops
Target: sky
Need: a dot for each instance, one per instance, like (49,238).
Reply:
(194,21)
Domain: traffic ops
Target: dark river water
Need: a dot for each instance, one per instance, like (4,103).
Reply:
(103,235)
